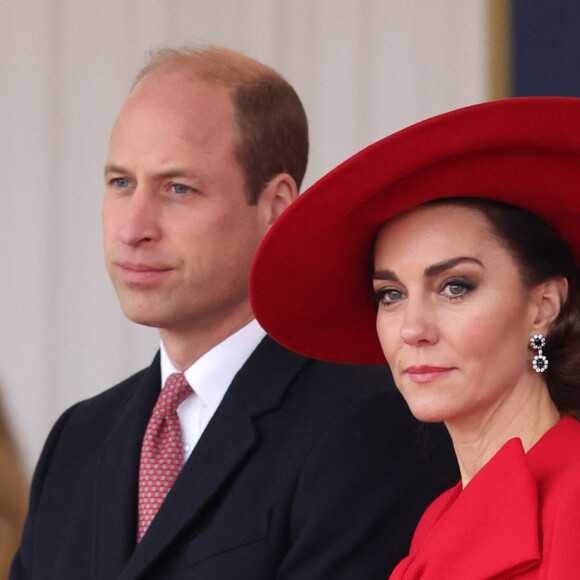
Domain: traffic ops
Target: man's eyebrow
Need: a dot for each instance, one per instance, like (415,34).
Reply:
(113,168)
(430,271)
(168,173)
(171,172)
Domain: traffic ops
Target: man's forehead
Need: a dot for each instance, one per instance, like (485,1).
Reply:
(178,81)
(167,101)
(167,121)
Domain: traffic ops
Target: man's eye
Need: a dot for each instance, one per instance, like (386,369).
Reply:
(180,188)
(121,182)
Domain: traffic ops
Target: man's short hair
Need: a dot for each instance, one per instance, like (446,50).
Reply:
(269,114)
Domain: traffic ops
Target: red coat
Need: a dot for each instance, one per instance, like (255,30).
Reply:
(519,517)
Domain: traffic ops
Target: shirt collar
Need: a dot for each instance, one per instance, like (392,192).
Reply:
(211,375)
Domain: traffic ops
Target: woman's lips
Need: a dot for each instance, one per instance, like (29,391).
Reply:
(426,373)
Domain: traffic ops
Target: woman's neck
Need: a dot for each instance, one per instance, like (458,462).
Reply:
(477,441)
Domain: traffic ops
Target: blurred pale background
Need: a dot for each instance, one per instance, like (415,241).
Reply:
(364,68)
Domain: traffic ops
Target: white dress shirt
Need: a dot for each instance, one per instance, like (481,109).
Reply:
(209,377)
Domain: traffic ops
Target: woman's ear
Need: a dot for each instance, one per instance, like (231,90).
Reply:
(277,195)
(549,296)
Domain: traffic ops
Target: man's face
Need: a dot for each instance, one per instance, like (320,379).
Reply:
(179,234)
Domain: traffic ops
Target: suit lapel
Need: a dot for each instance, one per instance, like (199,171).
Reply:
(117,485)
(227,441)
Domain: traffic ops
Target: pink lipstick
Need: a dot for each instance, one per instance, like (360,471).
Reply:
(426,373)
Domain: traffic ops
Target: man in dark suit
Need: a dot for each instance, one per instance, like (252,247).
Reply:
(292,468)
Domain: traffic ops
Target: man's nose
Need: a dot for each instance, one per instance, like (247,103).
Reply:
(141,218)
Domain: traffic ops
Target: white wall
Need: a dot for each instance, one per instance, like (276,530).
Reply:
(364,68)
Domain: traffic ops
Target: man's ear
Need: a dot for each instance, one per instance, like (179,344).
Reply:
(549,296)
(277,195)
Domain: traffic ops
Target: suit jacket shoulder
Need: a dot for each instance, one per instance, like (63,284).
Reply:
(308,470)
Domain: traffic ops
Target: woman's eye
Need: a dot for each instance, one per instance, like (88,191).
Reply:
(387,295)
(457,288)
(454,289)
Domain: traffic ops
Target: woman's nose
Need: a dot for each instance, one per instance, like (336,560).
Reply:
(419,325)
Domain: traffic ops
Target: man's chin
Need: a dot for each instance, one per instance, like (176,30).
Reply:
(143,316)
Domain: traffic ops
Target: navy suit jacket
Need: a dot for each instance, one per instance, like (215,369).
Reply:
(307,471)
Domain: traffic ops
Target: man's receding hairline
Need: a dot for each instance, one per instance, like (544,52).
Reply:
(214,65)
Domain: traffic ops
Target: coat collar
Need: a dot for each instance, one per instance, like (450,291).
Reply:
(484,531)
(228,439)
(117,482)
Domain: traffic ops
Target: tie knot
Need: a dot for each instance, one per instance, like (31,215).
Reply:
(175,391)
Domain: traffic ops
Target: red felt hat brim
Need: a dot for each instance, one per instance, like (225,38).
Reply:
(310,281)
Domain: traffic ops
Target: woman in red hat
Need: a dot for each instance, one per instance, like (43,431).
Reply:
(451,250)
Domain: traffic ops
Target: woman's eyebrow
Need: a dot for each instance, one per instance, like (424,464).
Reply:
(448,264)
(385,275)
(433,270)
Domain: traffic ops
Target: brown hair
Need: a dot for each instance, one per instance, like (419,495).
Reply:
(269,113)
(541,254)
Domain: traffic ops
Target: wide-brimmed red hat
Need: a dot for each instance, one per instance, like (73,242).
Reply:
(310,282)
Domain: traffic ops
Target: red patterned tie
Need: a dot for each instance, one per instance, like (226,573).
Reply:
(162,451)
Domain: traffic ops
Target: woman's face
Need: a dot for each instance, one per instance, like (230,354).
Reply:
(454,318)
